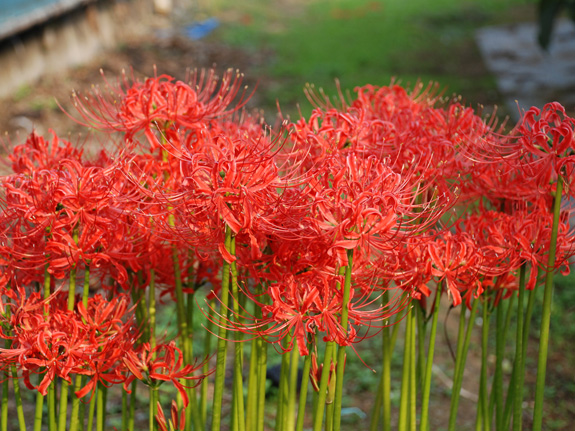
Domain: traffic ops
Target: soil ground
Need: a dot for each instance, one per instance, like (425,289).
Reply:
(44,105)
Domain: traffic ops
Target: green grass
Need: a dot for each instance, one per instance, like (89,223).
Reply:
(363,42)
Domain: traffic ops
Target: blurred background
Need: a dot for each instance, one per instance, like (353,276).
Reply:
(483,51)
(50,47)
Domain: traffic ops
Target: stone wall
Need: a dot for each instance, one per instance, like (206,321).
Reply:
(68,40)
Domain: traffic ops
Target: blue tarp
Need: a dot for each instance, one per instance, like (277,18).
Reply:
(201,29)
(18,15)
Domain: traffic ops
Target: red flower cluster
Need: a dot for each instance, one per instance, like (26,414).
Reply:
(366,188)
(49,340)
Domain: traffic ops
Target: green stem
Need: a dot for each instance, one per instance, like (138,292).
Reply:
(484,419)
(413,375)
(82,415)
(51,390)
(424,422)
(376,410)
(252,399)
(497,385)
(72,283)
(501,412)
(460,335)
(330,405)
(63,411)
(184,330)
(4,405)
(86,289)
(303,393)
(17,393)
(405,385)
(292,389)
(386,378)
(142,318)
(92,409)
(38,412)
(18,398)
(509,403)
(206,366)
(460,365)
(125,410)
(132,411)
(152,408)
(329,416)
(421,332)
(262,371)
(283,391)
(52,425)
(222,341)
(101,407)
(194,415)
(314,400)
(388,346)
(76,403)
(47,288)
(546,313)
(519,362)
(180,304)
(340,365)
(238,387)
(504,421)
(509,398)
(527,320)
(262,364)
(322,394)
(75,421)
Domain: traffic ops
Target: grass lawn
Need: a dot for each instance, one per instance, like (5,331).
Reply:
(366,42)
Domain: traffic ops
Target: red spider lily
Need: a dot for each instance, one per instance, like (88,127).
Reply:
(72,215)
(113,335)
(177,423)
(360,203)
(230,180)
(37,154)
(500,180)
(357,206)
(58,342)
(494,235)
(21,258)
(161,364)
(291,311)
(342,153)
(413,269)
(455,260)
(405,127)
(505,241)
(545,143)
(159,101)
(234,179)
(526,163)
(309,303)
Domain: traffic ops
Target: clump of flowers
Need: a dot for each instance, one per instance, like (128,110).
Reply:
(309,238)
